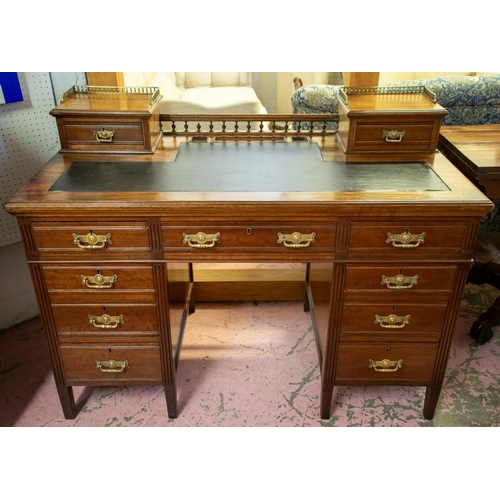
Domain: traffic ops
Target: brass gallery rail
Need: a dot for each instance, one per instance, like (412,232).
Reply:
(249,126)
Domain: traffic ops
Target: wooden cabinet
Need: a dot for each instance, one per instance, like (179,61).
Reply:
(386,266)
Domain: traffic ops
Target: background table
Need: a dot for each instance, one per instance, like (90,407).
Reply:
(475,151)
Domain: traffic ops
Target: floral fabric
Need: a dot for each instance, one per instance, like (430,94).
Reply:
(469,100)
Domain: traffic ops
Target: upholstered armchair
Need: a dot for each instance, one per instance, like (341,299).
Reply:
(315,99)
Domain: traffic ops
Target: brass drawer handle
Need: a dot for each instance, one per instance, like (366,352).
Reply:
(201,240)
(399,282)
(392,321)
(99,281)
(104,135)
(106,321)
(406,239)
(112,366)
(393,135)
(91,241)
(386,365)
(296,239)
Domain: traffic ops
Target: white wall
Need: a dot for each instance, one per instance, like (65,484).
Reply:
(28,139)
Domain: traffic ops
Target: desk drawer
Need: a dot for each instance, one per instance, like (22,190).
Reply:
(93,365)
(107,135)
(395,136)
(309,238)
(396,280)
(361,363)
(401,321)
(99,283)
(407,240)
(105,319)
(92,240)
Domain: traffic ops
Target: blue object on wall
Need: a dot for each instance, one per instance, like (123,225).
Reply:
(10,88)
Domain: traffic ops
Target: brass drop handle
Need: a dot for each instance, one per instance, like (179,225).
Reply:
(296,239)
(393,135)
(106,321)
(112,366)
(392,321)
(99,281)
(385,365)
(201,240)
(399,282)
(104,135)
(91,240)
(406,239)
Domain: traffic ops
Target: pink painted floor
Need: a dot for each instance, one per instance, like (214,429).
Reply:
(251,365)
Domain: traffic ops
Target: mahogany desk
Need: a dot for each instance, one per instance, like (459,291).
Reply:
(475,151)
(110,241)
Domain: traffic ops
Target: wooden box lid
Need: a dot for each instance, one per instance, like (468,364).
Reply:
(87,100)
(359,101)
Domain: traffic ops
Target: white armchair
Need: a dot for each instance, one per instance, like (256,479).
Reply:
(201,92)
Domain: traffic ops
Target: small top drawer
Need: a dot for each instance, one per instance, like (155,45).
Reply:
(395,136)
(104,135)
(91,240)
(411,240)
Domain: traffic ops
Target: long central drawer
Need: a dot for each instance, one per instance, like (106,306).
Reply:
(221,238)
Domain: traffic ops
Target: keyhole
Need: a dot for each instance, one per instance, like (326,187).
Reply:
(387,349)
(249,231)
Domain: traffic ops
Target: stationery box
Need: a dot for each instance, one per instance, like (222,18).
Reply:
(388,123)
(109,119)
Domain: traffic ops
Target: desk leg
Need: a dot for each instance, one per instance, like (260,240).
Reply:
(326,402)
(432,394)
(170,395)
(67,400)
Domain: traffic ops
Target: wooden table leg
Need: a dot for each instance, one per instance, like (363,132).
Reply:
(326,402)
(431,400)
(67,399)
(171,397)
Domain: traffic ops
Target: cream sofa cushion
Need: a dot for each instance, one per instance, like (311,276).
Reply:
(201,92)
(213,79)
(214,100)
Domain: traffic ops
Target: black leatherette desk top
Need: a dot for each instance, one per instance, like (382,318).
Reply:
(247,167)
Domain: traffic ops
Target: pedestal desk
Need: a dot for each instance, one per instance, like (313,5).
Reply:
(110,240)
